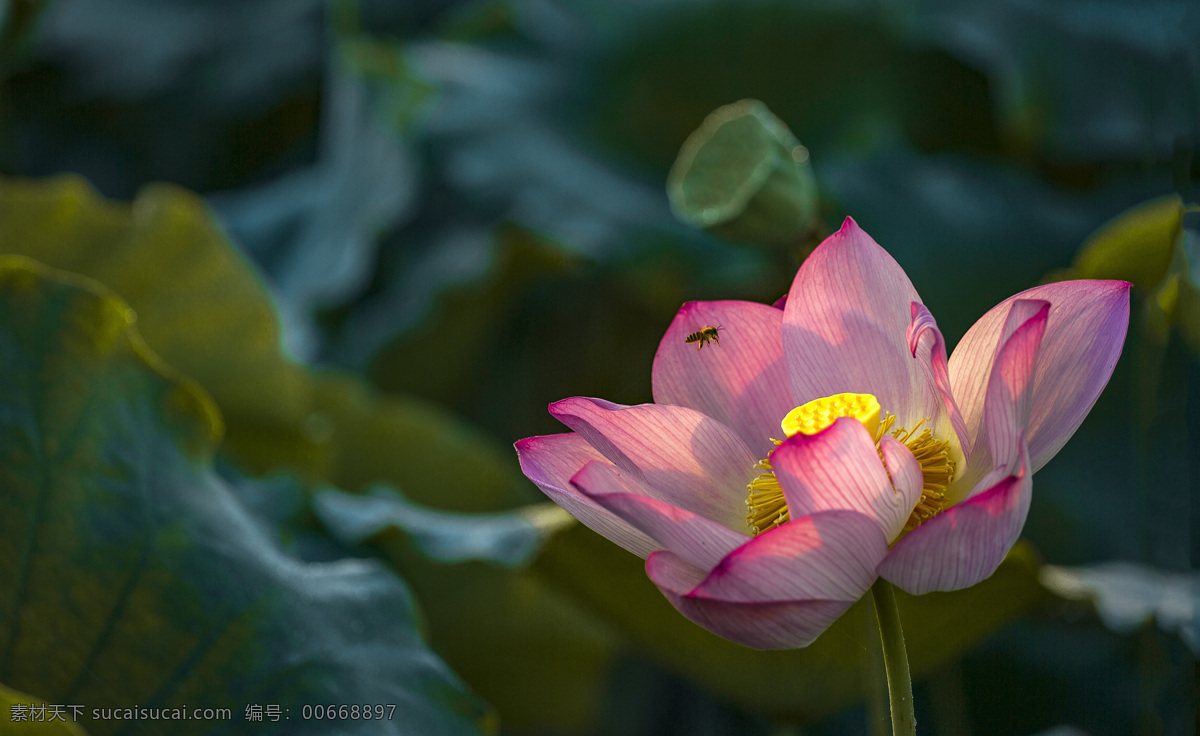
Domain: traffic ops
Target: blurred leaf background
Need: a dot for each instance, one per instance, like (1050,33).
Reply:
(369,241)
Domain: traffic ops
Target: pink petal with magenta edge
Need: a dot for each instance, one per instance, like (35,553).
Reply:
(965,544)
(678,454)
(783,625)
(550,461)
(829,555)
(840,468)
(1085,332)
(781,589)
(845,325)
(741,382)
(694,538)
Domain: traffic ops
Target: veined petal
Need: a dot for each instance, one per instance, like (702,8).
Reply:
(1009,394)
(966,543)
(741,382)
(1010,389)
(840,468)
(831,555)
(845,324)
(928,347)
(781,625)
(678,454)
(550,461)
(694,538)
(1085,331)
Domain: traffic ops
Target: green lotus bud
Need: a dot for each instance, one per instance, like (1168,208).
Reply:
(743,175)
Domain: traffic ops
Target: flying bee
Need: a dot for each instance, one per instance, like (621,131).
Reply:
(703,335)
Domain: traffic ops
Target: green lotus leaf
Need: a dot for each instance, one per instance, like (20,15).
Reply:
(508,538)
(134,579)
(1128,595)
(562,652)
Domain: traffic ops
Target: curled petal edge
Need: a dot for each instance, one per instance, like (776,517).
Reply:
(924,327)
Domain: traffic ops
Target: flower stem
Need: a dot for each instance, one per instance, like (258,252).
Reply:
(895,659)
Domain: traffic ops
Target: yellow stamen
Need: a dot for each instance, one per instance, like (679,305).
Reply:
(768,509)
(766,503)
(937,472)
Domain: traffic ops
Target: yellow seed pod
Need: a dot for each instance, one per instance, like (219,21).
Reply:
(818,414)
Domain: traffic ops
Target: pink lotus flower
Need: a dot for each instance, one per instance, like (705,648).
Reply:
(827,441)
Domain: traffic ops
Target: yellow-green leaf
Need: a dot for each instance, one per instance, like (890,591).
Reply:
(23,715)
(1136,246)
(198,302)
